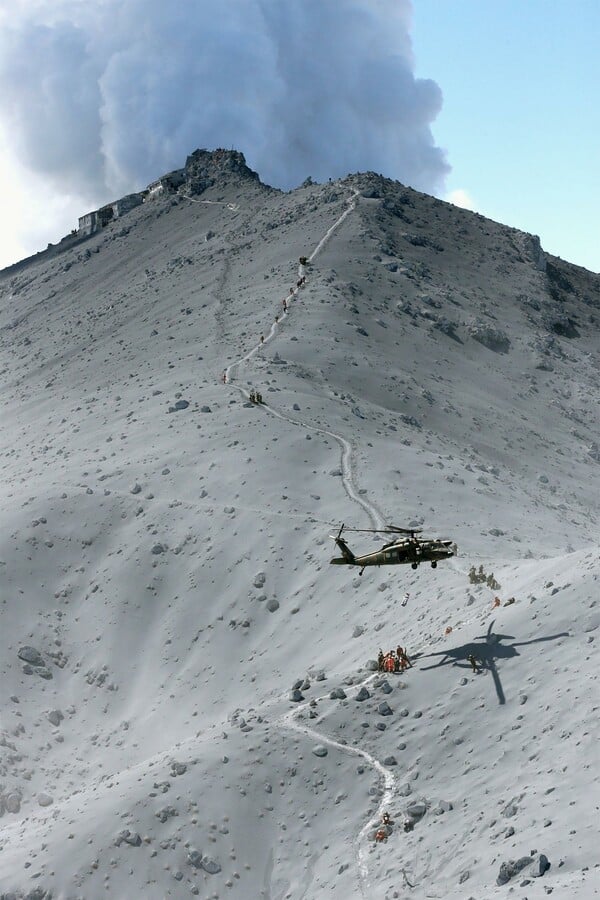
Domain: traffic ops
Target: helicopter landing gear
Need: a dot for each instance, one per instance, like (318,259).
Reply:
(414,565)
(434,564)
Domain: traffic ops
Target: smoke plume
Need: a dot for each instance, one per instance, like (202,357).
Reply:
(100,97)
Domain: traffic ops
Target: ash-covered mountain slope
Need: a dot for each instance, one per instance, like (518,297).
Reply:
(164,549)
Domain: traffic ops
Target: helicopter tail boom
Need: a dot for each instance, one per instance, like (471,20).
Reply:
(347,558)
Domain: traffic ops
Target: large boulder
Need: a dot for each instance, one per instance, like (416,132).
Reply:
(31,655)
(510,868)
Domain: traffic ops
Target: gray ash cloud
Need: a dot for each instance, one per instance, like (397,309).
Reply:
(101,98)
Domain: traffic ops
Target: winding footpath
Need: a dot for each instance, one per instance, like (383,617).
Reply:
(294,719)
(375,517)
(291,719)
(363,840)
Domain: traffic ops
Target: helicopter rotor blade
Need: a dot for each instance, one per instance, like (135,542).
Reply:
(369,530)
(389,529)
(395,529)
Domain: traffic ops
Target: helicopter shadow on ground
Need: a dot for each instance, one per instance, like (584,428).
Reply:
(487,649)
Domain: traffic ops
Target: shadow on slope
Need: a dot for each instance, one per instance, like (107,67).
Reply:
(487,649)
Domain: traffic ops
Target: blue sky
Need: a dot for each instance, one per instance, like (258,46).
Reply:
(520,119)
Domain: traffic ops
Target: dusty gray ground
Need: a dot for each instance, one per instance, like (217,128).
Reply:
(171,568)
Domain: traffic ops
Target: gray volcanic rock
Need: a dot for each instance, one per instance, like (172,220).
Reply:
(31,655)
(510,868)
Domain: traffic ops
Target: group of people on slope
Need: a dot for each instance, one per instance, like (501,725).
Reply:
(393,661)
(285,303)
(385,829)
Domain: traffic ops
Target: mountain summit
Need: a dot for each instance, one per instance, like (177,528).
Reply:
(190,694)
(204,168)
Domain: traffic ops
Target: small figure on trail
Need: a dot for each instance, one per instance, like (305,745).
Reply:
(386,818)
(291,292)
(497,602)
(409,825)
(259,397)
(473,660)
(510,601)
(276,319)
(405,599)
(284,302)
(380,660)
(381,835)
(448,630)
(262,338)
(303,260)
(403,659)
(224,377)
(253,396)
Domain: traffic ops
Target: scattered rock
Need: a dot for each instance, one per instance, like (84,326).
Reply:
(442,807)
(540,865)
(129,837)
(416,810)
(45,799)
(320,750)
(384,709)
(511,868)
(210,865)
(510,810)
(31,655)
(12,802)
(272,604)
(490,337)
(338,694)
(166,812)
(363,694)
(296,696)
(259,579)
(55,717)
(195,858)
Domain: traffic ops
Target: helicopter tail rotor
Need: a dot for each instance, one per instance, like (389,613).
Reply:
(347,557)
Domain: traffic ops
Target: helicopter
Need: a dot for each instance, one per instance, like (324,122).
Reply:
(402,550)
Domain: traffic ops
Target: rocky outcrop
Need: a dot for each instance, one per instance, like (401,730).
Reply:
(204,168)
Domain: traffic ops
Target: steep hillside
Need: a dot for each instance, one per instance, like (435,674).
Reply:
(164,551)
